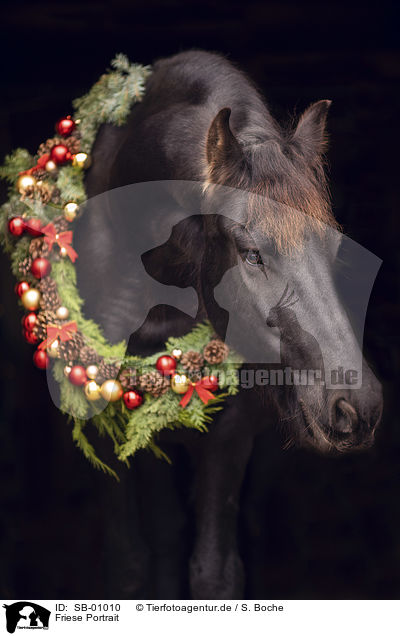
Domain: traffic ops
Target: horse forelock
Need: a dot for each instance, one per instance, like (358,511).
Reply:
(287,199)
(287,213)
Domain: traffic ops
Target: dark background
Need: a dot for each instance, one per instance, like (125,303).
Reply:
(311,526)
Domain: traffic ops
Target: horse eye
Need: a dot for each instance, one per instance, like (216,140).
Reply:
(253,257)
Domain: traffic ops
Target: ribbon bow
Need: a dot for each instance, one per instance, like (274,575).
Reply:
(41,163)
(63,239)
(64,332)
(204,394)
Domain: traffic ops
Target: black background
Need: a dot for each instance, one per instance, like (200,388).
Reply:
(311,526)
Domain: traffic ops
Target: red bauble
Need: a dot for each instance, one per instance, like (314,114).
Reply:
(166,365)
(77,375)
(16,226)
(65,126)
(29,321)
(60,154)
(210,382)
(41,359)
(30,336)
(41,267)
(21,287)
(132,399)
(34,227)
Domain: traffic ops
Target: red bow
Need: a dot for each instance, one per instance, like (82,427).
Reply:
(41,163)
(204,394)
(64,332)
(63,239)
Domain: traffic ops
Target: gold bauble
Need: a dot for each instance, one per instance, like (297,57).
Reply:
(25,182)
(62,313)
(54,350)
(111,390)
(92,391)
(51,166)
(67,370)
(81,160)
(70,211)
(63,252)
(180,383)
(92,371)
(176,353)
(31,299)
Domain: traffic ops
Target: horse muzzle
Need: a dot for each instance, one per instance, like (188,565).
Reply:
(347,423)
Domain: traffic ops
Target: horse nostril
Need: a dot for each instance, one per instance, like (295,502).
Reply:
(344,416)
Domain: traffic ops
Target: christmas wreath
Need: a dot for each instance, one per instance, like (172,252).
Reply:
(128,398)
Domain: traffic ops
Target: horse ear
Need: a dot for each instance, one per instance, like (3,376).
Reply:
(224,154)
(310,133)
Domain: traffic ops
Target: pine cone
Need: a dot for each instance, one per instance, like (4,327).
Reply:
(56,196)
(41,174)
(24,267)
(215,352)
(194,376)
(70,349)
(107,371)
(192,361)
(61,224)
(28,193)
(153,383)
(47,285)
(73,144)
(39,192)
(49,299)
(127,377)
(88,356)
(45,147)
(38,248)
(43,319)
(43,192)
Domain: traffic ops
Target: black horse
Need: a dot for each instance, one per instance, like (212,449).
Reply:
(259,217)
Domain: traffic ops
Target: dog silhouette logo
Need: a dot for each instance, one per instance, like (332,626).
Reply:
(26,615)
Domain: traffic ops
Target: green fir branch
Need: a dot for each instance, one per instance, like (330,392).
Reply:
(111,98)
(87,449)
(18,161)
(71,184)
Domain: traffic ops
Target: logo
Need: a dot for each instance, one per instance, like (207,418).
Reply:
(26,615)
